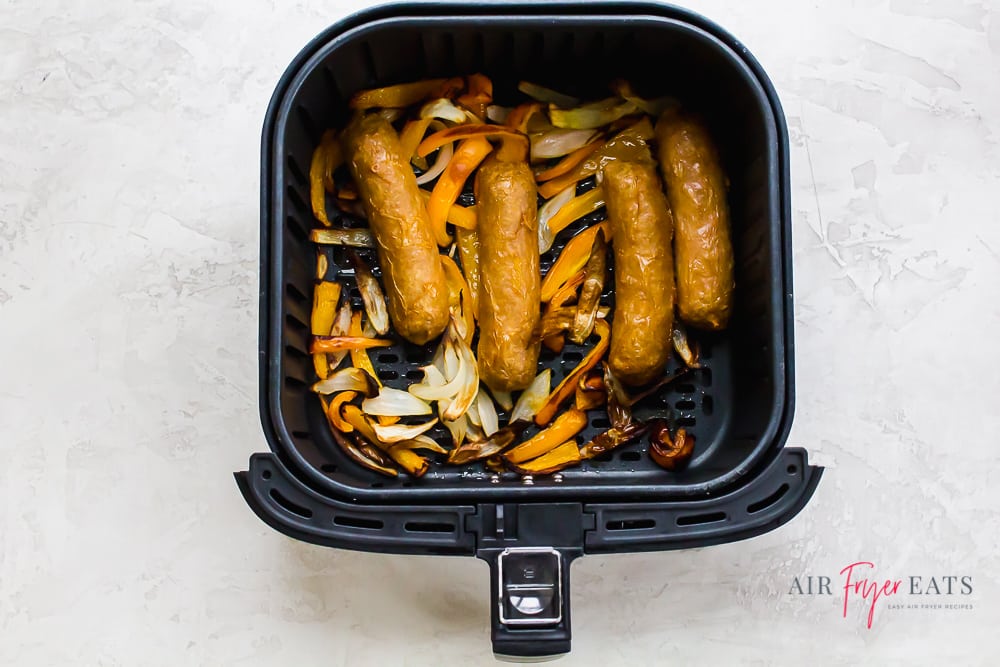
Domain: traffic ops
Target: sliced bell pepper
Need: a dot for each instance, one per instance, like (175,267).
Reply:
(572,259)
(478,94)
(333,411)
(576,208)
(460,216)
(566,425)
(458,296)
(469,154)
(406,94)
(563,456)
(352,343)
(629,144)
(567,387)
(325,159)
(567,291)
(326,294)
(412,134)
(468,250)
(565,165)
(435,141)
(360,359)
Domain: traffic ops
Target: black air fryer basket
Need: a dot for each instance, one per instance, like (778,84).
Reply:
(741,481)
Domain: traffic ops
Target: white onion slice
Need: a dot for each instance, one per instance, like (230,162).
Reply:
(533,398)
(488,418)
(497,113)
(348,379)
(400,432)
(503,399)
(444,109)
(443,158)
(547,95)
(545,236)
(559,142)
(394,403)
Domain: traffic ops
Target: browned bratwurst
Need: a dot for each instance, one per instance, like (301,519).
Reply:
(510,282)
(415,285)
(703,248)
(641,227)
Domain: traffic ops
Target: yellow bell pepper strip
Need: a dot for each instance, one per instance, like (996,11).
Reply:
(469,154)
(478,95)
(326,295)
(468,251)
(412,134)
(458,296)
(325,159)
(566,425)
(567,387)
(629,144)
(572,259)
(360,359)
(406,94)
(460,216)
(563,456)
(565,165)
(576,208)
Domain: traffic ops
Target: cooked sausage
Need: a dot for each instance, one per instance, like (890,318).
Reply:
(510,282)
(703,249)
(414,280)
(641,227)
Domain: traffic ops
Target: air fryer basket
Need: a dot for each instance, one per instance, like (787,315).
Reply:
(740,481)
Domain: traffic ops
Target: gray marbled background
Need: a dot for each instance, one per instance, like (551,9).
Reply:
(129,136)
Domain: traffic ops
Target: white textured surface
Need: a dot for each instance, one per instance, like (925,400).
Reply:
(128,259)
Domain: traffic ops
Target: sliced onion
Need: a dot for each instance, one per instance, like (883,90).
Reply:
(348,379)
(503,399)
(422,442)
(654,107)
(545,236)
(590,116)
(341,327)
(443,158)
(533,398)
(559,142)
(547,95)
(497,113)
(472,414)
(394,403)
(400,432)
(371,294)
(488,418)
(356,238)
(458,428)
(444,109)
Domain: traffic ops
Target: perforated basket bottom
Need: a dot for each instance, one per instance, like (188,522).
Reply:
(690,402)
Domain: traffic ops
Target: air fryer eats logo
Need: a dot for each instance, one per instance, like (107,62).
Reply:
(860,584)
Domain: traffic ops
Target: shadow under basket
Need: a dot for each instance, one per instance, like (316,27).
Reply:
(741,480)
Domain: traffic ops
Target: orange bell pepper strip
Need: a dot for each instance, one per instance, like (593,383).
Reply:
(566,425)
(478,95)
(333,411)
(567,387)
(466,159)
(435,141)
(406,94)
(460,216)
(571,260)
(563,456)
(569,162)
(567,291)
(576,208)
(340,343)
